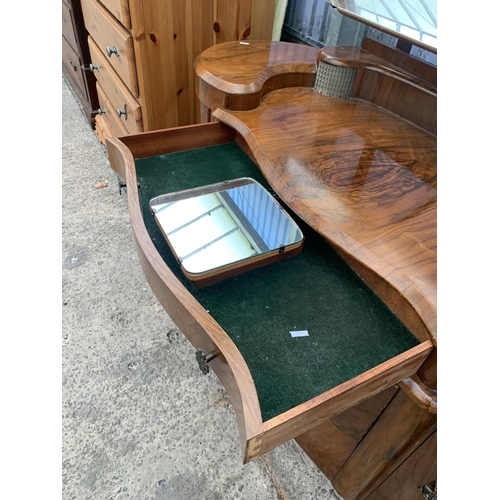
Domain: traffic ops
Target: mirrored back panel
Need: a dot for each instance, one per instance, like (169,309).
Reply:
(224,229)
(412,20)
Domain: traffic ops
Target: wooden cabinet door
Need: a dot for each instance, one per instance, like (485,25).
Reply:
(418,470)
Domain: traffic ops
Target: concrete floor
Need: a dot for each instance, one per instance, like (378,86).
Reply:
(140,420)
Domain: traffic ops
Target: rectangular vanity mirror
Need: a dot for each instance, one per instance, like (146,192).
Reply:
(224,229)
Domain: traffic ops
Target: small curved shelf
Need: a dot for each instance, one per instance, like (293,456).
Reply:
(236,75)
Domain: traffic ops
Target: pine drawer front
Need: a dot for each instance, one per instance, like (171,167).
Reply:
(117,93)
(71,61)
(67,26)
(119,9)
(102,128)
(109,116)
(112,37)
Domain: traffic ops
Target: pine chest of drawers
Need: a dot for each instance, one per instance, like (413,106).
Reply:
(76,57)
(142,55)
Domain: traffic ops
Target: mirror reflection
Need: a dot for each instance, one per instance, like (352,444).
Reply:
(413,19)
(210,227)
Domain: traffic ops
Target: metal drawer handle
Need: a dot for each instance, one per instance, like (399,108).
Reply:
(203,360)
(427,493)
(114,50)
(100,111)
(119,112)
(92,67)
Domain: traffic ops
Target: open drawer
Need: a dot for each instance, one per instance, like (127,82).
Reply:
(280,385)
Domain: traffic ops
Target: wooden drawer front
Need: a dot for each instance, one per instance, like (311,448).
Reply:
(108,34)
(119,9)
(110,118)
(67,26)
(71,61)
(102,128)
(117,93)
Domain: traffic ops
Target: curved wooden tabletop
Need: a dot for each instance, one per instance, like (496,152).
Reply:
(361,176)
(236,75)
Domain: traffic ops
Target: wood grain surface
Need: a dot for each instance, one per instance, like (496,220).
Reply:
(116,91)
(108,33)
(399,431)
(109,114)
(418,470)
(361,176)
(406,62)
(119,9)
(331,444)
(317,410)
(169,35)
(236,76)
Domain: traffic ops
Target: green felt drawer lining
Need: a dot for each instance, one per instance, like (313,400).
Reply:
(350,328)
